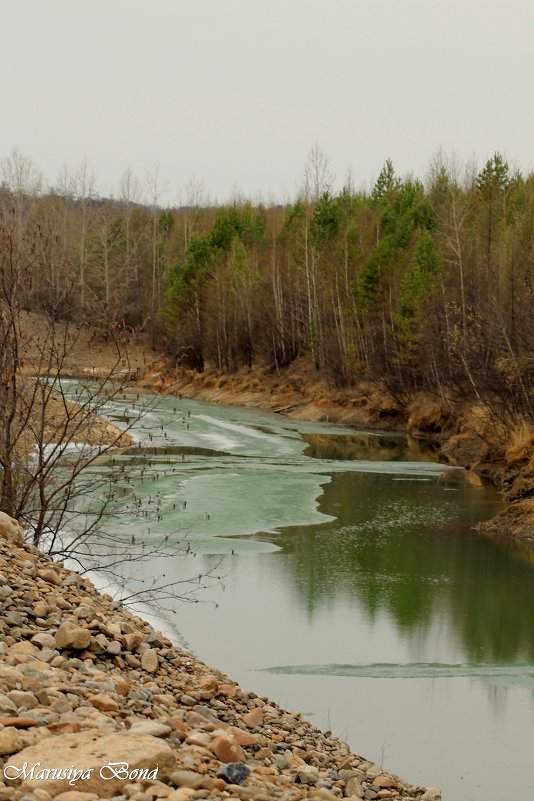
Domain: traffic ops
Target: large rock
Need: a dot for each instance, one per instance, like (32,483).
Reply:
(11,530)
(90,751)
(149,660)
(69,635)
(51,577)
(254,718)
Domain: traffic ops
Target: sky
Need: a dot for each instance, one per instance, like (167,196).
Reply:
(232,95)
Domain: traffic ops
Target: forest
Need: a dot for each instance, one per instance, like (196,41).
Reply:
(420,283)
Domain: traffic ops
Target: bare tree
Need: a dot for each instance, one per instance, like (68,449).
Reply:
(59,473)
(20,175)
(318,175)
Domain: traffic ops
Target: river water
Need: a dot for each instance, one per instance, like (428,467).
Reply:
(352,586)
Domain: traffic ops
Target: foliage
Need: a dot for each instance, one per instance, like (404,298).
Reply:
(380,284)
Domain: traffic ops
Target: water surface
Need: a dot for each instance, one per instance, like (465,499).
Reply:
(353,587)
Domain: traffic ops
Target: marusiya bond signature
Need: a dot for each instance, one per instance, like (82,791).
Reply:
(113,770)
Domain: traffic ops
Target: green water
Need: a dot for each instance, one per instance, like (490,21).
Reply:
(353,587)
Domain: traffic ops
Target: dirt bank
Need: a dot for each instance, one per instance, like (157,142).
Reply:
(85,683)
(50,348)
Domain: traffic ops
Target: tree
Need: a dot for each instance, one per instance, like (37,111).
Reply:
(38,425)
(386,183)
(53,440)
(318,176)
(494,183)
(423,270)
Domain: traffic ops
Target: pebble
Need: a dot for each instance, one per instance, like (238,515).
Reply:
(234,773)
(227,750)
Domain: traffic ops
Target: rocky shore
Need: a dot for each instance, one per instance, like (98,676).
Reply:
(94,704)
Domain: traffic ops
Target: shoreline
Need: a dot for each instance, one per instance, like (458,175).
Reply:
(92,673)
(467,434)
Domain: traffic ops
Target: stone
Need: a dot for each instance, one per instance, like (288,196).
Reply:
(15,618)
(384,782)
(206,713)
(76,795)
(44,640)
(200,739)
(21,698)
(231,690)
(307,774)
(132,641)
(244,738)
(431,794)
(234,773)
(152,727)
(373,771)
(10,741)
(69,635)
(180,730)
(11,530)
(189,778)
(353,787)
(51,577)
(41,609)
(227,750)
(122,685)
(326,795)
(94,750)
(84,612)
(41,795)
(183,794)
(149,660)
(23,649)
(254,718)
(157,791)
(103,702)
(18,722)
(6,705)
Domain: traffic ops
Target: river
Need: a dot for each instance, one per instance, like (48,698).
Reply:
(352,586)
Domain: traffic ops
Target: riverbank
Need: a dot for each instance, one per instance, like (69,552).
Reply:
(85,683)
(468,434)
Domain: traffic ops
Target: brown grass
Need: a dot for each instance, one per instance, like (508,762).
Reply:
(521,442)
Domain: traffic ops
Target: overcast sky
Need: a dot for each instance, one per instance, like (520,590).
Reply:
(236,92)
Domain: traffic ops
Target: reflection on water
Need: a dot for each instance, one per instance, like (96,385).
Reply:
(405,551)
(354,587)
(371,446)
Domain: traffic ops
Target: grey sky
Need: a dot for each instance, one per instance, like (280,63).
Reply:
(236,92)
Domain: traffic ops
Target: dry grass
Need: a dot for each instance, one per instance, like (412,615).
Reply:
(429,415)
(82,351)
(521,442)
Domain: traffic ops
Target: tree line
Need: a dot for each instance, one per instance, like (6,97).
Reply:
(421,284)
